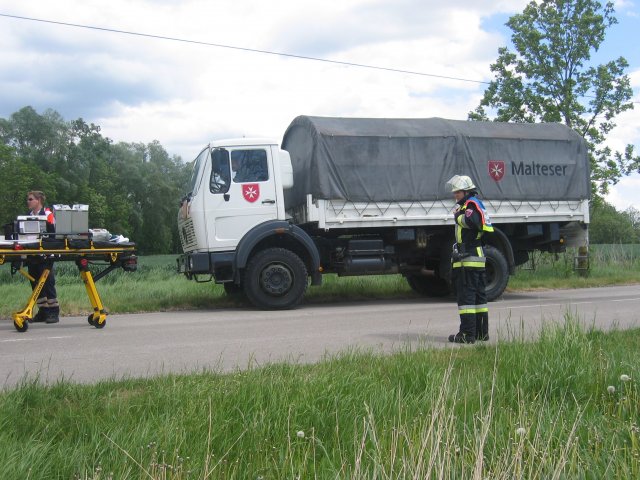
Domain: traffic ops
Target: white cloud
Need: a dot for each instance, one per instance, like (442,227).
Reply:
(139,89)
(625,193)
(622,4)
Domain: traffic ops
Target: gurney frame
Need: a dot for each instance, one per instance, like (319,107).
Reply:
(83,252)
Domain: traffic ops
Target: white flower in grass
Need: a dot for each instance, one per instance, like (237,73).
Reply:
(300,434)
(520,431)
(611,389)
(625,378)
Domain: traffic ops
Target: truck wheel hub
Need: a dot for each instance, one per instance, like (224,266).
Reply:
(275,279)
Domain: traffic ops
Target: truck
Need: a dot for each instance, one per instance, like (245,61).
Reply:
(367,196)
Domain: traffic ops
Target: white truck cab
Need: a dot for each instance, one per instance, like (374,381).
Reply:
(233,226)
(236,185)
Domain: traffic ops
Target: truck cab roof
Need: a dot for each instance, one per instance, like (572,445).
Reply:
(243,142)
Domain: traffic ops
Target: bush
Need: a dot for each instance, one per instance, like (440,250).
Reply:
(609,226)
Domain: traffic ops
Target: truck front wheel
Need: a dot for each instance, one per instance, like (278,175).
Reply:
(275,279)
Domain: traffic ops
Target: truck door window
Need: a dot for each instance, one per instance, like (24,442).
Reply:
(220,173)
(198,163)
(249,166)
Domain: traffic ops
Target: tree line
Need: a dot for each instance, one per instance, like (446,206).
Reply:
(132,189)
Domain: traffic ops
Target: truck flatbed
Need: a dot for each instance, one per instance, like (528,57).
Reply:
(339,214)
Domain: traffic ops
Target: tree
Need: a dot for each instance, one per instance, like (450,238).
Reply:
(155,183)
(550,78)
(609,226)
(19,177)
(40,139)
(633,215)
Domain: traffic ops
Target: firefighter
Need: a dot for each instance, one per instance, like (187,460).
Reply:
(48,307)
(468,261)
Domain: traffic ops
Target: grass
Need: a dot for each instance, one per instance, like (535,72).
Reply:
(609,265)
(157,286)
(559,407)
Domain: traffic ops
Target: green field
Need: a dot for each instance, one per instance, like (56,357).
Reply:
(157,286)
(566,406)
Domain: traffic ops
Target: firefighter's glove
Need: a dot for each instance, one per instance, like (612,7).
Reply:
(456,256)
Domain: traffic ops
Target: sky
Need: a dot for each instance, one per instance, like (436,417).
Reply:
(185,95)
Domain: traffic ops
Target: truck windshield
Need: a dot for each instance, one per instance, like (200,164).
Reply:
(198,164)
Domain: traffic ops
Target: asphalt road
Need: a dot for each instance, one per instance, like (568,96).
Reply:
(184,341)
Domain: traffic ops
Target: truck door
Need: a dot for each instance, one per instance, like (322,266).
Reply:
(241,194)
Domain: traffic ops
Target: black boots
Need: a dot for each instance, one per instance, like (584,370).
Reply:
(462,338)
(482,327)
(467,331)
(466,338)
(46,315)
(41,316)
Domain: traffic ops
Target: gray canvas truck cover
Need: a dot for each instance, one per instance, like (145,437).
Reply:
(393,160)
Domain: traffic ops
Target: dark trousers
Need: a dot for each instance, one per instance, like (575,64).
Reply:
(48,298)
(472,301)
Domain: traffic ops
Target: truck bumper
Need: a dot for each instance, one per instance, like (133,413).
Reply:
(218,264)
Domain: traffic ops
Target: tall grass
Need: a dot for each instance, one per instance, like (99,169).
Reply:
(608,265)
(556,408)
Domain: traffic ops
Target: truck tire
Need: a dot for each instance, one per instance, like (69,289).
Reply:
(429,285)
(275,279)
(497,273)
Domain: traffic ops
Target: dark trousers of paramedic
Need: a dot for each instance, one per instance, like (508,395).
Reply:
(48,299)
(472,301)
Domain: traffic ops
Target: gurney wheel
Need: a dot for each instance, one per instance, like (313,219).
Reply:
(98,324)
(24,328)
(90,319)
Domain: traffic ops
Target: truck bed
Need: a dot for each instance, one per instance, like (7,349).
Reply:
(340,214)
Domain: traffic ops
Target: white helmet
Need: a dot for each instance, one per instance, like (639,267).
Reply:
(460,182)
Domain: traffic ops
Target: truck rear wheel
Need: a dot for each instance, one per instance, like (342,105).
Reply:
(429,285)
(497,270)
(275,279)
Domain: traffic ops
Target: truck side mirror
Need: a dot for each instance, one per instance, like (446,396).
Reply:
(226,197)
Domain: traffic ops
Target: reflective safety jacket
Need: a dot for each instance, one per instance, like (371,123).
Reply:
(472,221)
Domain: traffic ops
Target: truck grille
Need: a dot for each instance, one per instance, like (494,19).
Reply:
(188,235)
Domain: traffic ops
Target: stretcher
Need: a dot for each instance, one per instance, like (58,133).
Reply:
(84,252)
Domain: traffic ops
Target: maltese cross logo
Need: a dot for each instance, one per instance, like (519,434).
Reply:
(496,169)
(251,192)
